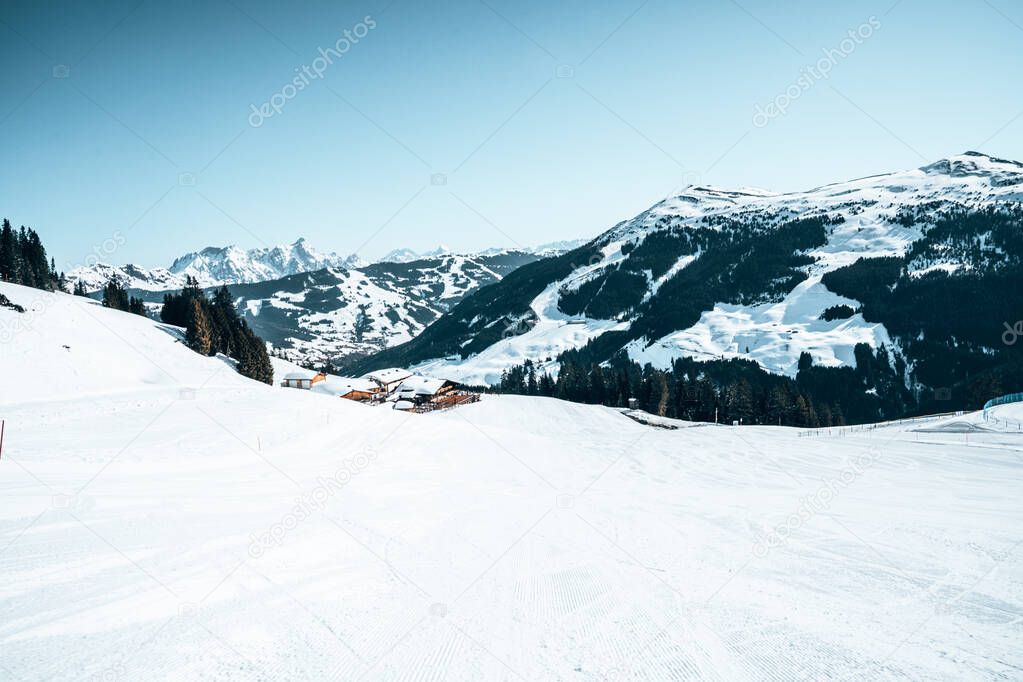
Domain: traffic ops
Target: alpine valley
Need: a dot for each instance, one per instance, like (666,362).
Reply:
(314,307)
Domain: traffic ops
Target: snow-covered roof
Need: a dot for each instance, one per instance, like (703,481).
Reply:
(341,386)
(388,376)
(305,376)
(404,405)
(420,385)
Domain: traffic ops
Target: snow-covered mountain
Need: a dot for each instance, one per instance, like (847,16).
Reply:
(713,273)
(317,306)
(231,265)
(405,255)
(338,313)
(214,266)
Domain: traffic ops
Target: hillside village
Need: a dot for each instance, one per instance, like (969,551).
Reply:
(395,387)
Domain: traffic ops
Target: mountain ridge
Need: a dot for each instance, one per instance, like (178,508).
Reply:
(712,273)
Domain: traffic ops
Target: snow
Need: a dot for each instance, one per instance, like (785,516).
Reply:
(166,518)
(420,385)
(214,266)
(949,268)
(407,255)
(342,386)
(303,375)
(388,376)
(775,332)
(553,333)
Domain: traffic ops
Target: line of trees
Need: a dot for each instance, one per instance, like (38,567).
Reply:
(726,391)
(116,297)
(212,325)
(23,260)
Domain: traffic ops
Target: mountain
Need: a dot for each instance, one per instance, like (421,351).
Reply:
(405,255)
(213,266)
(316,307)
(231,265)
(336,313)
(715,274)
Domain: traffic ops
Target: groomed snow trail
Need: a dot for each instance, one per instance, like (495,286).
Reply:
(165,519)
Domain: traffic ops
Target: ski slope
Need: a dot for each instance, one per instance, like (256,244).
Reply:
(166,519)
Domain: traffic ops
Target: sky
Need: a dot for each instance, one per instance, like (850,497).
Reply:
(138,131)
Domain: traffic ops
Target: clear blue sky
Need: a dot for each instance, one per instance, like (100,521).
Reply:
(108,107)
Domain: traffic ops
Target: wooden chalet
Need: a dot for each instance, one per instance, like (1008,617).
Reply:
(360,390)
(425,394)
(388,379)
(304,380)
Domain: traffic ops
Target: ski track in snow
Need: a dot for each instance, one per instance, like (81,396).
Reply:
(518,538)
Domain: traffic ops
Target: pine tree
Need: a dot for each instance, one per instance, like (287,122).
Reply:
(136,306)
(659,393)
(8,253)
(805,361)
(198,334)
(115,296)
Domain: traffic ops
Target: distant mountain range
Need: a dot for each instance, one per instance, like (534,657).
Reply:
(926,262)
(544,250)
(214,265)
(318,307)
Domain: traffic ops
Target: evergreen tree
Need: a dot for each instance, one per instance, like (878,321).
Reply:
(198,335)
(8,253)
(115,296)
(136,306)
(805,361)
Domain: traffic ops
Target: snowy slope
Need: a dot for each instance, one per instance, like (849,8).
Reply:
(775,329)
(337,313)
(233,531)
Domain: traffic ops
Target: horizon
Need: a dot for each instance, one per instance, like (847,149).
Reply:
(253,124)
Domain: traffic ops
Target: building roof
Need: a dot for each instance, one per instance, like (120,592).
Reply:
(306,376)
(342,386)
(388,376)
(403,405)
(420,385)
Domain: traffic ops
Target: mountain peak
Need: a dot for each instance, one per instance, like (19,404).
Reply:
(971,163)
(215,265)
